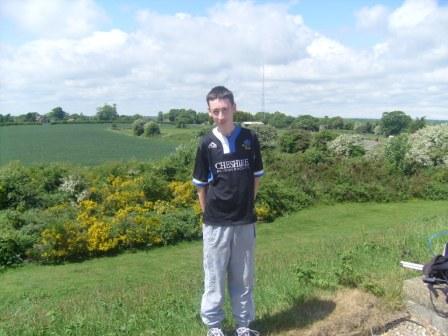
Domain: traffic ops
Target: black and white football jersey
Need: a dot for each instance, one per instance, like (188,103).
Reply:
(228,166)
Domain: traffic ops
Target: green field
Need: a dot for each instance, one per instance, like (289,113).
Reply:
(157,292)
(85,144)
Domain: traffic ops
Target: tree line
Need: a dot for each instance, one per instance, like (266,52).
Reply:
(391,123)
(104,113)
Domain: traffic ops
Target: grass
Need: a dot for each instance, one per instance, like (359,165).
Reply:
(157,292)
(80,143)
(168,132)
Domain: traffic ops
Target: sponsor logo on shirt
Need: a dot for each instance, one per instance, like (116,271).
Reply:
(233,165)
(246,144)
(212,145)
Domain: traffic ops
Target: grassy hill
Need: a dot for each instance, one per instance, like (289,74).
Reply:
(85,144)
(157,292)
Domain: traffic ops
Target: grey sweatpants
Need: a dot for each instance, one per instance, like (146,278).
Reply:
(228,255)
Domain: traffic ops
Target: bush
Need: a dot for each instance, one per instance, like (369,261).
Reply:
(294,141)
(11,252)
(178,225)
(138,127)
(179,165)
(314,156)
(203,130)
(18,190)
(74,187)
(155,187)
(429,146)
(359,192)
(62,241)
(14,243)
(280,198)
(267,135)
(395,152)
(50,176)
(151,128)
(436,191)
(321,139)
(135,227)
(347,145)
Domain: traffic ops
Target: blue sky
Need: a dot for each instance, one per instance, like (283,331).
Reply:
(349,58)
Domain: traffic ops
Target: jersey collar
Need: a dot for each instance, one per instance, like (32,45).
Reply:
(228,142)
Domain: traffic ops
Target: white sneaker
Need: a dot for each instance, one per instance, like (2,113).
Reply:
(215,332)
(242,331)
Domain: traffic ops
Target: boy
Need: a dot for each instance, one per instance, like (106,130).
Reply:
(227,171)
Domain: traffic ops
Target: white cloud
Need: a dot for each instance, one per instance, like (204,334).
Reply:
(173,60)
(412,14)
(53,18)
(372,17)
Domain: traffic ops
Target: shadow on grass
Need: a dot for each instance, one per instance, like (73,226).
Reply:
(299,315)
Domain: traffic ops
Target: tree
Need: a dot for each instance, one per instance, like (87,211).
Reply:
(336,123)
(280,120)
(160,117)
(393,123)
(263,116)
(417,124)
(202,118)
(107,112)
(306,122)
(174,113)
(31,117)
(364,127)
(183,119)
(241,116)
(57,114)
(151,128)
(6,118)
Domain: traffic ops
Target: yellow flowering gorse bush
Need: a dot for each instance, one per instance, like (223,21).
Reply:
(118,217)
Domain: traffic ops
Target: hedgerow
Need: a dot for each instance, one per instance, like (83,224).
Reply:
(56,213)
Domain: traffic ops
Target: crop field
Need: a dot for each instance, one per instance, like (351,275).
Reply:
(80,144)
(300,257)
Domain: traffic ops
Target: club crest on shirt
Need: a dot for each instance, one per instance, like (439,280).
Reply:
(246,144)
(212,145)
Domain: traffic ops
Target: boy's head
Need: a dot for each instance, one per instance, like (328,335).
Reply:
(221,106)
(220,92)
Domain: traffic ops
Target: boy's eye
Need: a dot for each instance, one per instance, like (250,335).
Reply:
(224,110)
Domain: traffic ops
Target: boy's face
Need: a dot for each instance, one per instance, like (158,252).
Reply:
(221,111)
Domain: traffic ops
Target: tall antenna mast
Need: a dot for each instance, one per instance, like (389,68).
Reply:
(262,91)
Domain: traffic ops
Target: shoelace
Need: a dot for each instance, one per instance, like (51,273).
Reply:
(247,332)
(215,332)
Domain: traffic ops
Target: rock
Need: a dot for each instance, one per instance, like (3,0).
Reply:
(427,304)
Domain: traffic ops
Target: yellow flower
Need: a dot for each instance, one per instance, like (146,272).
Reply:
(183,193)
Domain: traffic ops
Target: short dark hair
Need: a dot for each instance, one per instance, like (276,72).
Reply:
(220,92)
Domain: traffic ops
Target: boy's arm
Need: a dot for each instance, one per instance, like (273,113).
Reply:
(202,191)
(256,186)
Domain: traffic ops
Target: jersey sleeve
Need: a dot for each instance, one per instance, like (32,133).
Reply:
(201,172)
(258,162)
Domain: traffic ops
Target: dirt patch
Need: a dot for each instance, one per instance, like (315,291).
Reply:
(356,313)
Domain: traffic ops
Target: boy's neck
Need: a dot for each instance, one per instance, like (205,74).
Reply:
(226,130)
